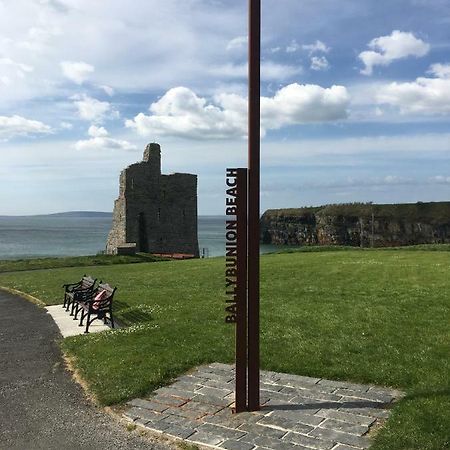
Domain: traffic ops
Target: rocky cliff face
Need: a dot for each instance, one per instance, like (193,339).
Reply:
(359,225)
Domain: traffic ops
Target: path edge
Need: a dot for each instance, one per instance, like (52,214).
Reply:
(24,295)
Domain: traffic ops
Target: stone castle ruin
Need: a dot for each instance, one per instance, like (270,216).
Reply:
(154,213)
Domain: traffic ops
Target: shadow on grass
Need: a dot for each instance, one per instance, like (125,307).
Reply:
(425,395)
(132,315)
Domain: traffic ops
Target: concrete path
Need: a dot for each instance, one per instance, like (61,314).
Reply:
(40,406)
(298,413)
(69,327)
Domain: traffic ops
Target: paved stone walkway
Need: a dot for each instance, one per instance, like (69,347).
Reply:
(298,413)
(69,327)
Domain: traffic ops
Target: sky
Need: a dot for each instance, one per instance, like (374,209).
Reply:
(355,100)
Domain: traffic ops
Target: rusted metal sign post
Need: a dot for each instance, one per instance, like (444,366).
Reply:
(236,275)
(242,238)
(254,122)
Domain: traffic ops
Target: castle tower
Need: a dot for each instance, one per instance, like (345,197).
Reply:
(156,212)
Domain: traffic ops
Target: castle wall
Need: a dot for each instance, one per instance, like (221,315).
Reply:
(117,235)
(179,199)
(157,212)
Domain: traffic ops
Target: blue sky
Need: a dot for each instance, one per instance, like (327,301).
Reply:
(355,107)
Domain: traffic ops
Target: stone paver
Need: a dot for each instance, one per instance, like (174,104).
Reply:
(298,413)
(69,327)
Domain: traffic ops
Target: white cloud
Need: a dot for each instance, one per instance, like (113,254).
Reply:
(20,126)
(293,47)
(440,70)
(180,112)
(440,179)
(319,63)
(116,41)
(18,66)
(238,43)
(356,182)
(270,71)
(317,47)
(386,49)
(78,72)
(298,104)
(107,89)
(12,71)
(395,179)
(100,141)
(429,96)
(230,70)
(37,38)
(66,125)
(103,143)
(95,131)
(399,147)
(92,109)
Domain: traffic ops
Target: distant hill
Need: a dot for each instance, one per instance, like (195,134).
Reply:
(71,214)
(81,214)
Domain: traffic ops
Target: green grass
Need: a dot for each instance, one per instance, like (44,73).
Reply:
(429,212)
(72,261)
(341,248)
(367,316)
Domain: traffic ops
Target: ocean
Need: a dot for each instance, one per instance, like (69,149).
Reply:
(79,235)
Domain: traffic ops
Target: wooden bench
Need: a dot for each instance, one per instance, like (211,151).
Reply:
(96,305)
(72,291)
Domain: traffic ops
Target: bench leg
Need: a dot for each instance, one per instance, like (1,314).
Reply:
(81,318)
(72,310)
(77,310)
(111,318)
(87,322)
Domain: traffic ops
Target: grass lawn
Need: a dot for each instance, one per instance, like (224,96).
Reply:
(73,261)
(367,316)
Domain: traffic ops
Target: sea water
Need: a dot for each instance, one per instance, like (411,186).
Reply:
(43,236)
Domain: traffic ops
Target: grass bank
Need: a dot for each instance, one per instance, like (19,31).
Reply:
(73,261)
(367,316)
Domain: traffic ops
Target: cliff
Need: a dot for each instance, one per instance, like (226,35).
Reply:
(359,225)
